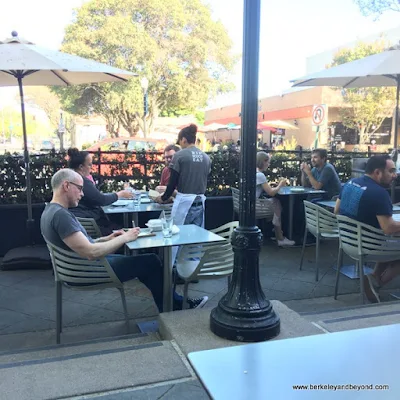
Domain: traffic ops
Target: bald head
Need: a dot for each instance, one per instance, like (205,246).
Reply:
(63,175)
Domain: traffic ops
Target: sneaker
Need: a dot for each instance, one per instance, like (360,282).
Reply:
(371,288)
(286,242)
(197,303)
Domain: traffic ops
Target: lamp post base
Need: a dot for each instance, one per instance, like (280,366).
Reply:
(227,325)
(244,314)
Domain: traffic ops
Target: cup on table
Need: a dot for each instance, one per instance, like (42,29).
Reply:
(136,198)
(167,224)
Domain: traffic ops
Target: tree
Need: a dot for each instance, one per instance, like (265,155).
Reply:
(185,55)
(49,102)
(377,7)
(366,108)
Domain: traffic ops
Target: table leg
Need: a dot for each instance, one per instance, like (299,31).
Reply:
(135,218)
(167,302)
(291,210)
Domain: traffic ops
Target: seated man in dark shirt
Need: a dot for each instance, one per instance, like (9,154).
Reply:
(322,176)
(366,200)
(61,228)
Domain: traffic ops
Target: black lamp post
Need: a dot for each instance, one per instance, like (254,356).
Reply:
(244,313)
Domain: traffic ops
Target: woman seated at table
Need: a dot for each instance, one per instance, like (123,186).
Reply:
(90,204)
(263,188)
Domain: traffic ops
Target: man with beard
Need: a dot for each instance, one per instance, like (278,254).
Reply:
(322,176)
(366,200)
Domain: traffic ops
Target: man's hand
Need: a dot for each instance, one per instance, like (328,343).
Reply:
(161,189)
(282,183)
(132,234)
(159,200)
(125,194)
(305,168)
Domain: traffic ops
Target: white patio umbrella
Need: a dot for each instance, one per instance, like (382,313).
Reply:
(23,63)
(382,69)
(212,127)
(278,124)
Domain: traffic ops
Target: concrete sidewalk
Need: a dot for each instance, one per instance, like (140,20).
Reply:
(27,298)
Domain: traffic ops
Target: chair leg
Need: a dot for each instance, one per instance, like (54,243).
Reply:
(304,248)
(317,258)
(361,275)
(58,311)
(339,266)
(185,304)
(123,299)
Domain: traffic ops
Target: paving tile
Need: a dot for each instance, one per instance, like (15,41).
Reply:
(28,324)
(185,391)
(268,282)
(293,286)
(303,275)
(139,394)
(10,278)
(135,304)
(211,286)
(95,298)
(97,315)
(9,318)
(281,296)
(40,306)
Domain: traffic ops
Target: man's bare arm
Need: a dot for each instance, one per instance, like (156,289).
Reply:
(388,224)
(337,207)
(81,245)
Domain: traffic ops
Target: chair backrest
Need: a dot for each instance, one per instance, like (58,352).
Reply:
(359,239)
(72,269)
(91,227)
(319,221)
(216,259)
(226,230)
(264,209)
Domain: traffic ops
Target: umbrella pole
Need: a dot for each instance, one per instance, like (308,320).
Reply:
(27,161)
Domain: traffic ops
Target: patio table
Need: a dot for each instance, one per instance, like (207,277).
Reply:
(272,370)
(292,192)
(188,234)
(130,212)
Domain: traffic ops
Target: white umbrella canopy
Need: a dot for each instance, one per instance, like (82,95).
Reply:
(38,66)
(382,69)
(377,70)
(278,124)
(23,63)
(213,127)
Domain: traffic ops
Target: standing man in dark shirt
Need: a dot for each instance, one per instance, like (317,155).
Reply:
(189,168)
(366,200)
(322,176)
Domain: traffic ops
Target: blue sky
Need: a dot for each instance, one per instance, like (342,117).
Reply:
(291,30)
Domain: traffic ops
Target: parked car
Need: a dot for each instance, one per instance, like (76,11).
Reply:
(128,144)
(47,145)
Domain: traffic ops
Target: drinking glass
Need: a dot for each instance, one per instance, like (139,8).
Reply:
(167,224)
(136,198)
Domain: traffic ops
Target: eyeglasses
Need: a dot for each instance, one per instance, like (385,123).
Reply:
(169,157)
(80,187)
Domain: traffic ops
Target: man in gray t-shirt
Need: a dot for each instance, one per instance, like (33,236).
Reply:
(322,176)
(189,168)
(193,167)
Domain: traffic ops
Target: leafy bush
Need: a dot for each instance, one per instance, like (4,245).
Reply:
(143,170)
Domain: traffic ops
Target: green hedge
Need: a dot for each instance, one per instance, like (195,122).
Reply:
(111,170)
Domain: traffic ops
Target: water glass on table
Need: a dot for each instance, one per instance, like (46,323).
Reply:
(136,198)
(167,224)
